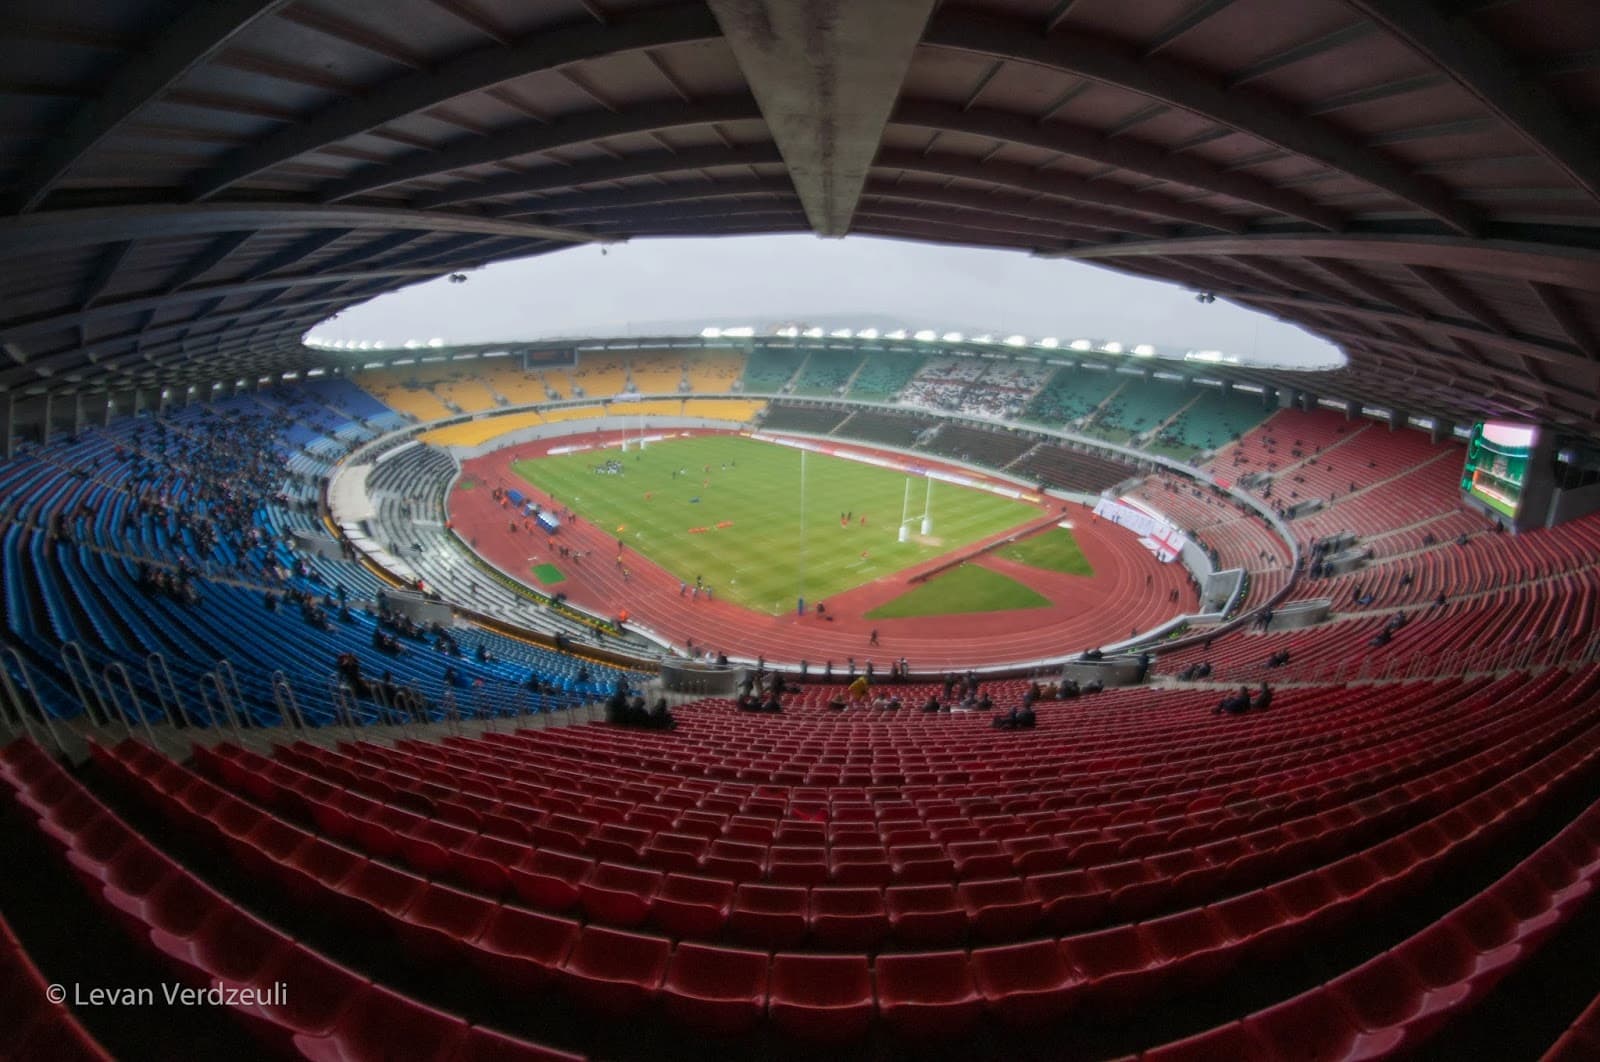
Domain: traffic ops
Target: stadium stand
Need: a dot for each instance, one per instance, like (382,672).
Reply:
(816,420)
(827,372)
(656,373)
(599,374)
(893,429)
(1066,468)
(884,376)
(769,371)
(712,372)
(818,876)
(477,432)
(1209,423)
(979,446)
(1070,395)
(1138,409)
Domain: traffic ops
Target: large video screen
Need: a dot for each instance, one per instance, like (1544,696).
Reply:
(1497,464)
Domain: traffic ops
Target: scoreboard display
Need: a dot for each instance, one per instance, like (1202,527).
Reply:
(1498,459)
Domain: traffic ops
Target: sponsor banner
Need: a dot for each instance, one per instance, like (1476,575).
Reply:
(1155,534)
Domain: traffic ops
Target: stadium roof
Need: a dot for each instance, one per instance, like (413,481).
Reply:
(189,185)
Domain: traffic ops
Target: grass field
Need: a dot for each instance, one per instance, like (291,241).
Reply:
(1053,550)
(754,488)
(967,588)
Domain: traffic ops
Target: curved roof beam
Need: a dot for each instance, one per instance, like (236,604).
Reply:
(647,164)
(60,230)
(1091,223)
(531,138)
(1569,267)
(1524,346)
(1076,215)
(646,195)
(473,72)
(1480,66)
(1198,93)
(826,73)
(1061,186)
(188,41)
(22,328)
(1121,152)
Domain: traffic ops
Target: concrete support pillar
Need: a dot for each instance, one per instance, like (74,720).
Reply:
(47,406)
(1352,410)
(8,437)
(79,412)
(1397,419)
(1442,429)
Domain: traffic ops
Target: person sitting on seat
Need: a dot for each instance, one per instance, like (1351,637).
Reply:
(1235,703)
(932,704)
(1263,697)
(660,717)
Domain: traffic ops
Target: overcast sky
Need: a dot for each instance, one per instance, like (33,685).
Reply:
(678,286)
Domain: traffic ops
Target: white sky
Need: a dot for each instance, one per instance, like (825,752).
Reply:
(678,286)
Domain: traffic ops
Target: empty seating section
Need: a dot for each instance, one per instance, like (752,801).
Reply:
(599,374)
(826,372)
(732,410)
(507,379)
(656,372)
(884,375)
(1064,468)
(979,446)
(207,939)
(818,873)
(583,412)
(891,429)
(478,432)
(769,371)
(710,372)
(470,394)
(1287,437)
(1138,408)
(816,420)
(1212,421)
(1072,394)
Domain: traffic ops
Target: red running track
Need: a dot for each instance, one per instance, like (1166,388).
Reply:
(1129,590)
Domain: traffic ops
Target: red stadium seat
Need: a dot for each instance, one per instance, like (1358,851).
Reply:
(925,914)
(772,916)
(848,917)
(693,907)
(615,971)
(1024,984)
(716,990)
(927,995)
(821,997)
(620,895)
(383,1024)
(521,950)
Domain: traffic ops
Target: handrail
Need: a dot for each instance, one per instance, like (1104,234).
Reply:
(69,650)
(14,697)
(222,697)
(284,700)
(116,667)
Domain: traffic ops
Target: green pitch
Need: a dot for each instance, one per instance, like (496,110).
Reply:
(753,487)
(1054,550)
(967,588)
